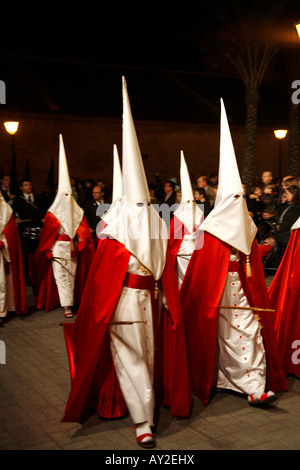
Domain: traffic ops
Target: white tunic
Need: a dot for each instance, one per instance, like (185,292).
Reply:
(132,348)
(7,302)
(64,270)
(240,353)
(184,255)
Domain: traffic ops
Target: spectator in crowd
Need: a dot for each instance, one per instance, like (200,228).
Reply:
(255,204)
(267,177)
(213,180)
(288,213)
(5,188)
(75,189)
(202,199)
(85,192)
(170,193)
(270,197)
(27,211)
(202,182)
(91,207)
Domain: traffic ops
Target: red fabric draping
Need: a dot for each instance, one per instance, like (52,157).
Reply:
(16,263)
(87,340)
(201,292)
(284,293)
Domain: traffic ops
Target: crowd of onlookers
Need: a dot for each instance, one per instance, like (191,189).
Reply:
(274,205)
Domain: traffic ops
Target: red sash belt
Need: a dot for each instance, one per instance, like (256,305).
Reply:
(233,266)
(63,238)
(139,282)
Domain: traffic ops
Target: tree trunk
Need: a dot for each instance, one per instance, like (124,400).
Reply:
(294,140)
(252,98)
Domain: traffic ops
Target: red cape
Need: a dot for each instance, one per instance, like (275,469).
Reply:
(284,293)
(44,286)
(201,292)
(16,263)
(177,231)
(87,341)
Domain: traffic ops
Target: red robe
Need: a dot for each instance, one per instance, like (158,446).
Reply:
(284,293)
(177,231)
(201,292)
(16,264)
(44,286)
(87,341)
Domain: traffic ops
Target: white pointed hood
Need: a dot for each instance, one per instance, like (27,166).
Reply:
(296,224)
(230,220)
(116,191)
(188,212)
(138,225)
(64,206)
(5,213)
(117,177)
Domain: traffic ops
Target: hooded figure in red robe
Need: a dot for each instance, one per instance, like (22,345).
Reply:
(65,251)
(12,279)
(184,224)
(284,293)
(123,344)
(230,344)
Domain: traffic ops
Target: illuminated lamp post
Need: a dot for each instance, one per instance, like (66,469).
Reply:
(12,127)
(280,135)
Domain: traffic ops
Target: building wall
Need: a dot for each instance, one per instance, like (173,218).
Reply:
(89,147)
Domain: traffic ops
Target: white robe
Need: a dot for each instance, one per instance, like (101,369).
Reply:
(132,348)
(7,302)
(184,255)
(240,353)
(64,270)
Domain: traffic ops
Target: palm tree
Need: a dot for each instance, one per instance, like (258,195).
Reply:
(246,37)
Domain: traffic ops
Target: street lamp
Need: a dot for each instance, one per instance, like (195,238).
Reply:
(297,26)
(280,135)
(12,127)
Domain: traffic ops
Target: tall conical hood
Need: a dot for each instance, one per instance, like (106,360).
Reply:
(135,186)
(116,202)
(188,212)
(117,176)
(230,220)
(135,223)
(64,206)
(64,183)
(187,194)
(5,213)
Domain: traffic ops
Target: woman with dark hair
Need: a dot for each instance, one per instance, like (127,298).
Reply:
(202,199)
(288,213)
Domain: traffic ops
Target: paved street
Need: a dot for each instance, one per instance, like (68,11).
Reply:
(34,386)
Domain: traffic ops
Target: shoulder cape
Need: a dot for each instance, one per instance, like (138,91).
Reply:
(87,341)
(44,287)
(201,292)
(284,293)
(16,262)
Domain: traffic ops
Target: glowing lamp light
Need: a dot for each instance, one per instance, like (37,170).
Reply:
(280,133)
(11,126)
(297,26)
